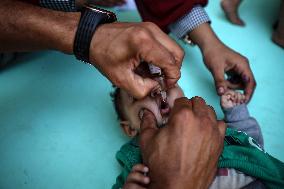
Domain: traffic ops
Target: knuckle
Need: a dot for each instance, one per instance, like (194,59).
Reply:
(136,175)
(142,92)
(246,60)
(118,82)
(139,95)
(139,35)
(170,61)
(183,114)
(207,125)
(149,25)
(254,83)
(136,167)
(178,74)
(180,55)
(211,110)
(130,177)
(198,98)
(208,122)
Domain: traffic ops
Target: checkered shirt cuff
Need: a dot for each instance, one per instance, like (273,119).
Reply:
(189,22)
(60,5)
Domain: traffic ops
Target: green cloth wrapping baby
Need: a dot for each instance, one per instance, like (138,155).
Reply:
(243,163)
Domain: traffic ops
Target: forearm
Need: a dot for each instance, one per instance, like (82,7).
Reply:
(204,37)
(188,22)
(219,59)
(26,27)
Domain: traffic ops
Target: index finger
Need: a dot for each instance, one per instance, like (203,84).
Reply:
(167,42)
(250,85)
(202,109)
(180,103)
(148,127)
(153,52)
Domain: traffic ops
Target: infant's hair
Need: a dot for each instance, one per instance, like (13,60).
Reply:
(117,103)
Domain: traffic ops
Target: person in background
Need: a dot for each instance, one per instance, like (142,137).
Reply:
(231,8)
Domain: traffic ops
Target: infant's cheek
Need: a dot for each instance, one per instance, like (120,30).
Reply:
(171,103)
(171,99)
(173,95)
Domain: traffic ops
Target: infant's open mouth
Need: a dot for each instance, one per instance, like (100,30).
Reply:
(164,111)
(164,108)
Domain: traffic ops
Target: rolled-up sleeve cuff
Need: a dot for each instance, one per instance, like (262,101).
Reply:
(189,22)
(60,5)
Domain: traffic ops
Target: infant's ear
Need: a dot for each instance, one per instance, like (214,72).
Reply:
(131,132)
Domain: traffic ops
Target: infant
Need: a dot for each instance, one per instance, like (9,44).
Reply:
(236,116)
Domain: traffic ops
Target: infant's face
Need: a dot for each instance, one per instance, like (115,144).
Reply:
(132,107)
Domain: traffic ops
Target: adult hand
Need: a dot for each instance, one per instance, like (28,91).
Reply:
(137,178)
(183,154)
(118,48)
(222,60)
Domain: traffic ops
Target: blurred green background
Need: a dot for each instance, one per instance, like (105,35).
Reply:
(58,128)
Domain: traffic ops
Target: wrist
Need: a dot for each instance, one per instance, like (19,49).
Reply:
(67,28)
(91,18)
(204,37)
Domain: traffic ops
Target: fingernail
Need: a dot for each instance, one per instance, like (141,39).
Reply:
(146,180)
(146,169)
(221,90)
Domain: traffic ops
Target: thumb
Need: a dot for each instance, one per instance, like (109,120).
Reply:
(222,128)
(148,127)
(139,87)
(220,82)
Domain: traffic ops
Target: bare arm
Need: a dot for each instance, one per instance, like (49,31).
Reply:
(25,27)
